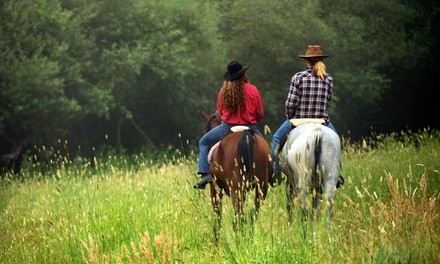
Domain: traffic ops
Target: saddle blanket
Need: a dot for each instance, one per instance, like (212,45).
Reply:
(211,150)
(233,129)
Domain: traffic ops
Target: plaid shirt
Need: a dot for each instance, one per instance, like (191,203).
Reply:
(309,96)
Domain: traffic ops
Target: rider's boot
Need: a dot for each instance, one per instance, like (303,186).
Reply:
(340,182)
(205,179)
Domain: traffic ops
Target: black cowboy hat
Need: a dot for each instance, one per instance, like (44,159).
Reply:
(235,70)
(313,51)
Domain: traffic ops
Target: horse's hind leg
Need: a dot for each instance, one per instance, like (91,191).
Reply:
(304,211)
(315,210)
(330,196)
(329,221)
(238,198)
(260,195)
(316,197)
(216,200)
(291,200)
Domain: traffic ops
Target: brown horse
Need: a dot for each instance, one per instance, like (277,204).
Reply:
(241,162)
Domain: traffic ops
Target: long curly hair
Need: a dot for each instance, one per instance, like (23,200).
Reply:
(233,95)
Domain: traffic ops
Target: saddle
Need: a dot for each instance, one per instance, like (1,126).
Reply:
(238,128)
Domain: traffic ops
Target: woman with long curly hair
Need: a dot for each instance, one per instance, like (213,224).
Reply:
(238,103)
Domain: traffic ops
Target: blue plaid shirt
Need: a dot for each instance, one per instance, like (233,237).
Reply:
(309,96)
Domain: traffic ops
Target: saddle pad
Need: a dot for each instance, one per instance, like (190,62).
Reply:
(301,121)
(239,128)
(211,150)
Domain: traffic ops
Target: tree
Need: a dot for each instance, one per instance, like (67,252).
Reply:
(95,65)
(368,43)
(35,68)
(137,72)
(370,39)
(151,57)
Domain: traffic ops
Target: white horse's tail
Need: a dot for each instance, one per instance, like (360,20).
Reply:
(316,176)
(304,157)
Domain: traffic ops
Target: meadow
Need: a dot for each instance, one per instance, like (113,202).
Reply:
(135,209)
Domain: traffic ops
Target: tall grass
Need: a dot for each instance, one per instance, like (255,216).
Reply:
(134,210)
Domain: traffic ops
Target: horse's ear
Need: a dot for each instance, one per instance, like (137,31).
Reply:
(204,115)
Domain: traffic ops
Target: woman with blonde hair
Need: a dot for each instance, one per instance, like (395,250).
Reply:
(309,97)
(238,103)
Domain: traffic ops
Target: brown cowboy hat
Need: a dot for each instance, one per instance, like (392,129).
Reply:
(235,70)
(313,51)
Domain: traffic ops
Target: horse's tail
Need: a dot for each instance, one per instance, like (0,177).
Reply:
(316,180)
(306,152)
(246,150)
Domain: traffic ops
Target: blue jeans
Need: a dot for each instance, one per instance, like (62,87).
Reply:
(282,132)
(213,136)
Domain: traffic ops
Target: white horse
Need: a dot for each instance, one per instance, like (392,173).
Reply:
(310,159)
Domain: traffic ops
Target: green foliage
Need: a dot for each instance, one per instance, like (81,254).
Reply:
(178,77)
(370,39)
(32,79)
(140,71)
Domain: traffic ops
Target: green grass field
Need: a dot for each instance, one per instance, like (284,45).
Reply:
(133,210)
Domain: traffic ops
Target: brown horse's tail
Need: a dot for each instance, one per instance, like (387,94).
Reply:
(246,151)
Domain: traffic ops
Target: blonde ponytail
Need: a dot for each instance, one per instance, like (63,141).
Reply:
(320,70)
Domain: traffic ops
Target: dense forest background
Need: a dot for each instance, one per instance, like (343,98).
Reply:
(134,74)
